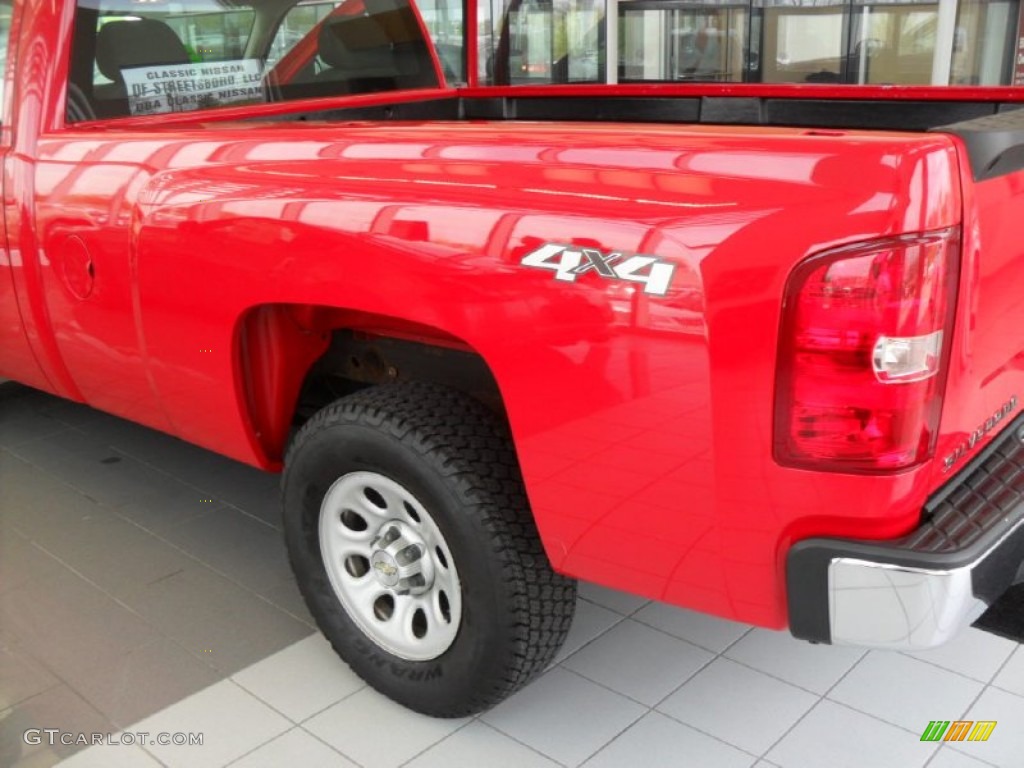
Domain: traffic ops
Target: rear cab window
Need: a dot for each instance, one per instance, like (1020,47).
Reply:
(131,59)
(297,23)
(442,18)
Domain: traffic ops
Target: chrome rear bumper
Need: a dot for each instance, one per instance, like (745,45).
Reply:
(885,606)
(919,591)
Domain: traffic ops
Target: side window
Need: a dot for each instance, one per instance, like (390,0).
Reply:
(131,59)
(297,23)
(6,14)
(445,24)
(443,19)
(355,46)
(204,37)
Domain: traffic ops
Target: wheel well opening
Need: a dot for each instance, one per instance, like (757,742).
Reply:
(355,360)
(295,359)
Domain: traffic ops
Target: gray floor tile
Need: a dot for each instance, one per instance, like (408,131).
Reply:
(834,736)
(242,486)
(738,705)
(20,560)
(241,547)
(15,431)
(708,632)
(301,680)
(94,468)
(113,432)
(22,418)
(638,661)
(612,599)
(71,413)
(34,501)
(231,721)
(972,653)
(287,597)
(656,740)
(142,681)
(123,682)
(1011,677)
(114,554)
(171,454)
(214,617)
(21,676)
(251,489)
(13,391)
(111,756)
(905,691)
(375,731)
(296,747)
(814,667)
(564,716)
(477,744)
(589,622)
(69,625)
(171,504)
(57,708)
(1005,746)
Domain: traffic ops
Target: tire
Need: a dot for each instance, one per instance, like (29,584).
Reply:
(410,535)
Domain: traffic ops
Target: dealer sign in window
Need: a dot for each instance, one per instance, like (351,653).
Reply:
(187,87)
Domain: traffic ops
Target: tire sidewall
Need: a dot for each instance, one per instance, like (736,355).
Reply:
(454,678)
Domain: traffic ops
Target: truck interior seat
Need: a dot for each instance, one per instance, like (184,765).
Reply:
(122,45)
(381,51)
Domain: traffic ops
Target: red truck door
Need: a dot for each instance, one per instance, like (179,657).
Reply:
(16,358)
(101,178)
(82,338)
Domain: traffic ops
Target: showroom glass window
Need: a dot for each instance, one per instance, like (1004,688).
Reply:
(130,58)
(965,42)
(6,13)
(533,42)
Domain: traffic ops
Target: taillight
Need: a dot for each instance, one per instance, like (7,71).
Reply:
(862,355)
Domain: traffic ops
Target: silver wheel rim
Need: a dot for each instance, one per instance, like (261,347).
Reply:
(390,567)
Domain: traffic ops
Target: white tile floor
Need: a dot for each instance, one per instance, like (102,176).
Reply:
(638,685)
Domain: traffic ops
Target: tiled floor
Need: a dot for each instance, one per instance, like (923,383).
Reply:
(144,588)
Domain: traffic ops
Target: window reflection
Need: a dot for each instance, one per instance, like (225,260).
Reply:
(6,11)
(674,42)
(963,42)
(547,41)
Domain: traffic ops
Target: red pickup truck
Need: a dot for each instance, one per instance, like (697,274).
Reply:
(750,348)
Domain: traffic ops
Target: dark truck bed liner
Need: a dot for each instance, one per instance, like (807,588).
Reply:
(992,131)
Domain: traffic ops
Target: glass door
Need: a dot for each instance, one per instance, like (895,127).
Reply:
(866,42)
(674,41)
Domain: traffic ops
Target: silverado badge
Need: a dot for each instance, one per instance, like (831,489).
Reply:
(983,429)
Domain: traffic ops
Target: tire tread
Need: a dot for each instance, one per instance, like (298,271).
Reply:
(471,447)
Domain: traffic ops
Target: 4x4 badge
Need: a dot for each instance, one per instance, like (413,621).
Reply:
(569,262)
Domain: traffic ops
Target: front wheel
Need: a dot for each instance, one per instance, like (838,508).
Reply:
(409,533)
